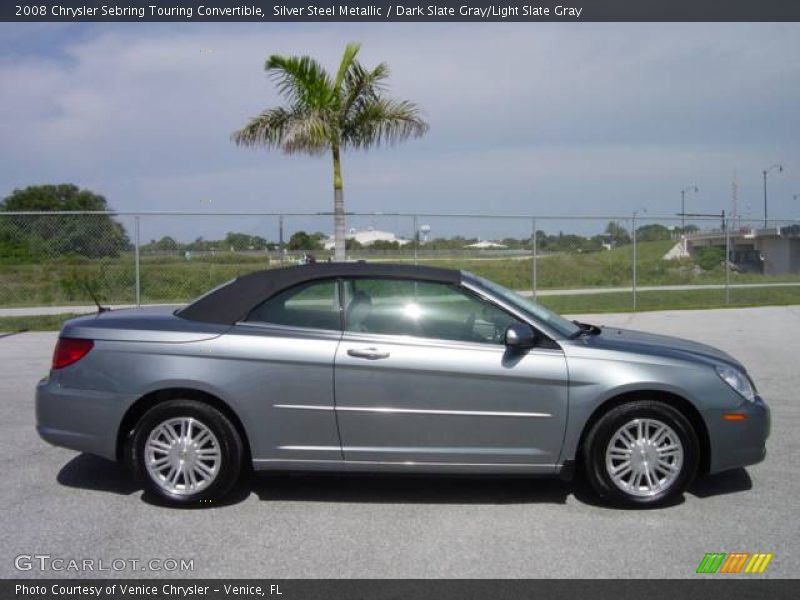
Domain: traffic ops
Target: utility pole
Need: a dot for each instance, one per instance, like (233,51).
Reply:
(765,172)
(691,188)
(735,199)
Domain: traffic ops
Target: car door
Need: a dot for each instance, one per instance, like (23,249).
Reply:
(283,375)
(422,375)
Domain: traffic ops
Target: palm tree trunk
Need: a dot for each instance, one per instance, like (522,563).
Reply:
(338,208)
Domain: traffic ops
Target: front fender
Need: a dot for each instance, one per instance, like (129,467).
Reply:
(595,382)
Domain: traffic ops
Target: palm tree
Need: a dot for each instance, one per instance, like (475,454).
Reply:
(330,114)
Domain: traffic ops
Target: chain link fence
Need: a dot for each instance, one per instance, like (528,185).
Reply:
(55,263)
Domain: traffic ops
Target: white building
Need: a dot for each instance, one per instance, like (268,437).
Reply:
(368,237)
(486,245)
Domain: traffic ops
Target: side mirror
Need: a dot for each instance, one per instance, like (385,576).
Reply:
(520,336)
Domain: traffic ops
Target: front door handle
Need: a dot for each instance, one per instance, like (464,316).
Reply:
(368,353)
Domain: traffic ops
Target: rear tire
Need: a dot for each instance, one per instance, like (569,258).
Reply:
(186,452)
(641,454)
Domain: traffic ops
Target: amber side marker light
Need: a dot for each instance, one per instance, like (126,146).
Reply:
(733,417)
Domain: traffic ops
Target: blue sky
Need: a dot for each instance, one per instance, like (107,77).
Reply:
(562,119)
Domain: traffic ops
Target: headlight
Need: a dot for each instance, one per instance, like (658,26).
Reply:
(738,381)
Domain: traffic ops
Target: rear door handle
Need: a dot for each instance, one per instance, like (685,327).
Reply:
(368,353)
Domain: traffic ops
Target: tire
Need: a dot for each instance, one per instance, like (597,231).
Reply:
(633,467)
(186,452)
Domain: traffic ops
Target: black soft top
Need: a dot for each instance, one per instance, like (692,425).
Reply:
(233,301)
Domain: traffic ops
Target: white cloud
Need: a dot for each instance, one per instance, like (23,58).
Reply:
(586,118)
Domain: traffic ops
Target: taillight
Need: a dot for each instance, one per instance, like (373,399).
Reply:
(70,350)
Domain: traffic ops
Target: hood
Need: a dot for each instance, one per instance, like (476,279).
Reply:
(639,342)
(149,324)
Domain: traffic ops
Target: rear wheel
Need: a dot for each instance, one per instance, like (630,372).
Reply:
(186,452)
(642,453)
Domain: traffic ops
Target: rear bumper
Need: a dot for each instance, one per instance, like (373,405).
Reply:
(83,420)
(737,444)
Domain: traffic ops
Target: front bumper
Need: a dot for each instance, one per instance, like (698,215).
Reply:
(737,444)
(83,420)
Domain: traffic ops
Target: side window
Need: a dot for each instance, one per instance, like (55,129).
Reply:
(422,309)
(314,305)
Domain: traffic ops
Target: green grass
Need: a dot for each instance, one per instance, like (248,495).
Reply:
(671,300)
(604,269)
(162,280)
(37,323)
(173,279)
(577,304)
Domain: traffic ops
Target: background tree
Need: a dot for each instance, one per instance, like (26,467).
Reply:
(652,233)
(92,236)
(353,244)
(709,257)
(327,113)
(301,240)
(384,245)
(244,241)
(165,244)
(15,245)
(617,234)
(200,244)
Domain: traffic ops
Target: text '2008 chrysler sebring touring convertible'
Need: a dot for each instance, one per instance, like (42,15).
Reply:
(392,368)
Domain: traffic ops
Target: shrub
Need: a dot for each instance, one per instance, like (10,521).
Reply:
(709,257)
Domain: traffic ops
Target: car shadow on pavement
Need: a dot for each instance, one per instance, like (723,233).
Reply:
(97,474)
(409,489)
(89,472)
(727,482)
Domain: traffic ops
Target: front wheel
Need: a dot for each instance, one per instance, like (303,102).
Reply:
(186,452)
(642,453)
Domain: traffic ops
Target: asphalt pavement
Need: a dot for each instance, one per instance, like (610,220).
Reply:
(66,505)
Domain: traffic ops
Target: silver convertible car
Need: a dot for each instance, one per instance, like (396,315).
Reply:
(392,368)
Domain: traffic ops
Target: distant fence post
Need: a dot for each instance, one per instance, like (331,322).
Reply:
(726,225)
(138,284)
(416,238)
(633,238)
(280,237)
(533,258)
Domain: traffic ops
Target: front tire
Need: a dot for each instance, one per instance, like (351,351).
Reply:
(642,453)
(186,452)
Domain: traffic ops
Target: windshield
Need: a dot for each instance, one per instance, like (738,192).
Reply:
(526,305)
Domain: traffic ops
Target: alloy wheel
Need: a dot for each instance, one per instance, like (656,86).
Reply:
(644,457)
(182,456)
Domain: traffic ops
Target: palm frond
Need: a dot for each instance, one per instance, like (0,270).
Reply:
(323,114)
(301,80)
(267,129)
(348,58)
(383,121)
(362,86)
(311,134)
(293,130)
